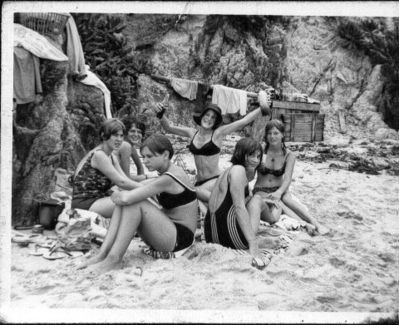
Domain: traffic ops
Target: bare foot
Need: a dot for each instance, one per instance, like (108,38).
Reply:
(106,265)
(310,229)
(91,260)
(322,230)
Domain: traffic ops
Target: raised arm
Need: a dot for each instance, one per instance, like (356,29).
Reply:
(112,170)
(263,110)
(167,125)
(237,180)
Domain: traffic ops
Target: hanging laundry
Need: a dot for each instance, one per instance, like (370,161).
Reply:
(92,80)
(74,49)
(230,100)
(27,82)
(36,44)
(185,88)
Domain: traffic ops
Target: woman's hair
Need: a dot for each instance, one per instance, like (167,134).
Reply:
(279,126)
(244,148)
(111,126)
(129,121)
(158,143)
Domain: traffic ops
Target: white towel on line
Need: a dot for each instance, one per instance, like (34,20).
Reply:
(230,100)
(93,80)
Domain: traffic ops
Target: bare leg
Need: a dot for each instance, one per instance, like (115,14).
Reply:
(255,207)
(152,224)
(104,207)
(108,240)
(303,213)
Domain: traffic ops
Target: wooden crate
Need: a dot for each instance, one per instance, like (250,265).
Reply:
(302,121)
(303,127)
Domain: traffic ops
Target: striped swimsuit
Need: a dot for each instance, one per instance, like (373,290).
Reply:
(222,226)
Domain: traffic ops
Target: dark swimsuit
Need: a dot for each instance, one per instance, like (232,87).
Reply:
(184,236)
(89,185)
(275,172)
(222,226)
(208,149)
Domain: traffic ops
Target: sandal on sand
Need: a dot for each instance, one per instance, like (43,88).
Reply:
(157,254)
(56,253)
(164,255)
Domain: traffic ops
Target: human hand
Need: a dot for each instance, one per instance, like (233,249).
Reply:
(275,196)
(118,197)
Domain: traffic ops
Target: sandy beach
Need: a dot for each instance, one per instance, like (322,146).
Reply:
(351,273)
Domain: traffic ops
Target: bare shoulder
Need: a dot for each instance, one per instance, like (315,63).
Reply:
(237,172)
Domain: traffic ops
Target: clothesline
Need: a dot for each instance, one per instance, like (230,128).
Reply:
(249,93)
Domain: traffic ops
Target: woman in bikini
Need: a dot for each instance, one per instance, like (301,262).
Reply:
(275,175)
(169,229)
(206,141)
(135,134)
(233,216)
(99,170)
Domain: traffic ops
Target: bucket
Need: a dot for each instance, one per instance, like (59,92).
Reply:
(48,213)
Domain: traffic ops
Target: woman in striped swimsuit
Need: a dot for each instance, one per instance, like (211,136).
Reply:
(233,216)
(167,229)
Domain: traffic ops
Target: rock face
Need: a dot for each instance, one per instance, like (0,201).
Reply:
(300,54)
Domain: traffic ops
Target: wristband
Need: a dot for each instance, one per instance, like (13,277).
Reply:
(161,113)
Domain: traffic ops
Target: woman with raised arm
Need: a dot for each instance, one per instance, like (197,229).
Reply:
(274,178)
(233,216)
(167,229)
(99,170)
(207,140)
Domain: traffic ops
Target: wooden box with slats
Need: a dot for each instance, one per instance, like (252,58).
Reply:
(302,121)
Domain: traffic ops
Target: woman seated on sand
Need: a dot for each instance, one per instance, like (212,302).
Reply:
(233,216)
(134,136)
(168,229)
(274,177)
(99,170)
(206,141)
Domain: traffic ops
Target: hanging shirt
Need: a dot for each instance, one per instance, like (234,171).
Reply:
(27,82)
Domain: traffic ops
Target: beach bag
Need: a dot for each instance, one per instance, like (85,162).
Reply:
(75,235)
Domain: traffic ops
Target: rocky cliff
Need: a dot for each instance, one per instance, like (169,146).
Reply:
(296,54)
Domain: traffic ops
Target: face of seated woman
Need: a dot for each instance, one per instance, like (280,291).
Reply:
(134,135)
(155,161)
(274,136)
(115,140)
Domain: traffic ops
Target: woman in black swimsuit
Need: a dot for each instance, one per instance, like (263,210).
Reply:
(206,141)
(233,216)
(168,229)
(275,175)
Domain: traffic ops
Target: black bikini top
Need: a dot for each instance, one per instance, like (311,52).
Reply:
(208,149)
(275,172)
(170,201)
